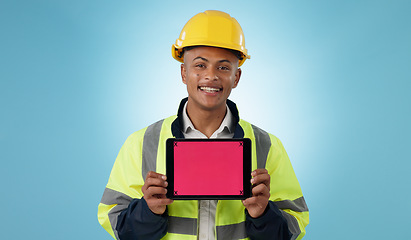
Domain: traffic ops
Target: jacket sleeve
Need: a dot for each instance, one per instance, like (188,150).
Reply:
(285,190)
(138,222)
(122,211)
(286,200)
(271,225)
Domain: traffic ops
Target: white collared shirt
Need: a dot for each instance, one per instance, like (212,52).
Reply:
(207,208)
(226,129)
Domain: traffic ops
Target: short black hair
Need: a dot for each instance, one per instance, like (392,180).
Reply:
(238,54)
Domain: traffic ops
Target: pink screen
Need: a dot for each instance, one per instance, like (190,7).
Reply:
(208,168)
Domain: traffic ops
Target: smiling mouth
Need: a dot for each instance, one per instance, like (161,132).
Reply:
(210,89)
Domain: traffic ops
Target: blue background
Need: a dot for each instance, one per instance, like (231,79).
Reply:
(331,79)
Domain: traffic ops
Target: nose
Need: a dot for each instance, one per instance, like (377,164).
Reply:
(211,74)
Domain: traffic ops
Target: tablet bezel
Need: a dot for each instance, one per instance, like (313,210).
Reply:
(246,169)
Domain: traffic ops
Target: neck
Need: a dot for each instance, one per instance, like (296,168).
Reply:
(206,121)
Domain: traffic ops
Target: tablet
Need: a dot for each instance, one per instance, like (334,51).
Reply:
(199,169)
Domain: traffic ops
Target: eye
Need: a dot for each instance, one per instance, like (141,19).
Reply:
(224,68)
(199,65)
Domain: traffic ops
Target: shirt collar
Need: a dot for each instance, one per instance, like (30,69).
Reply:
(226,124)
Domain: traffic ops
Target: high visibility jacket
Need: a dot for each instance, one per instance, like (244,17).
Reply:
(144,151)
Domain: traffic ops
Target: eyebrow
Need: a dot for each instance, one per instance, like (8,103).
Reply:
(206,60)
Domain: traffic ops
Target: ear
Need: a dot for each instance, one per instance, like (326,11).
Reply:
(183,73)
(237,77)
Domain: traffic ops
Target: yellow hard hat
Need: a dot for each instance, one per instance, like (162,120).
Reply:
(211,28)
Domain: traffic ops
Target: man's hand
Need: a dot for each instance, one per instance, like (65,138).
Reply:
(257,204)
(154,191)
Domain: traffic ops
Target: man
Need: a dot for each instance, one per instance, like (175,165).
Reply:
(134,204)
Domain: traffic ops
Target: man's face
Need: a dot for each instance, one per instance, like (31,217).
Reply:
(210,74)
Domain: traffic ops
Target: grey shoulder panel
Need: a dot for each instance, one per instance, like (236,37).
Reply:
(263,144)
(150,147)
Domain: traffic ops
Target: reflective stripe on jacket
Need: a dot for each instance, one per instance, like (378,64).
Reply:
(144,151)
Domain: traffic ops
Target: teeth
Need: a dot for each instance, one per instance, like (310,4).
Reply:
(209,89)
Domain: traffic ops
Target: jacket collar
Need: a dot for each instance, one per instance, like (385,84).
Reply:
(177,125)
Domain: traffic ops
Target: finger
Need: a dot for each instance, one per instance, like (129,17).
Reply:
(250,201)
(259,201)
(152,191)
(164,201)
(154,179)
(151,182)
(259,171)
(262,178)
(255,206)
(257,198)
(158,206)
(246,202)
(261,189)
(156,182)
(152,174)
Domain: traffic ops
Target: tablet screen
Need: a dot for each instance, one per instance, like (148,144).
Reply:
(208,168)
